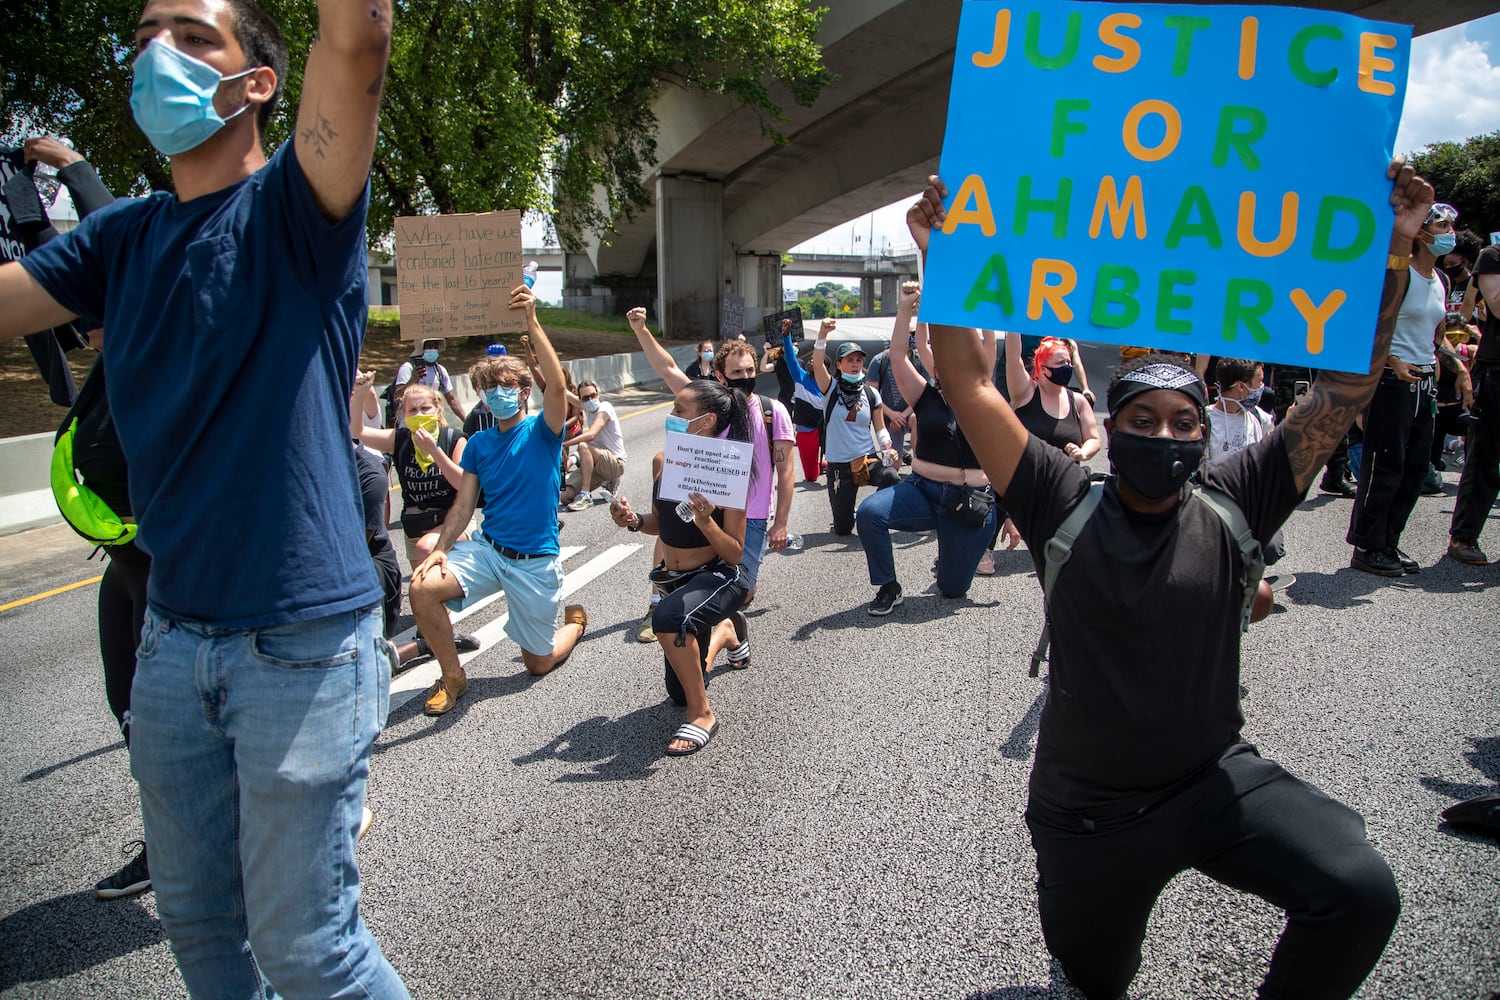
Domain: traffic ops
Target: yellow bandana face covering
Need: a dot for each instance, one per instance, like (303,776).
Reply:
(423,422)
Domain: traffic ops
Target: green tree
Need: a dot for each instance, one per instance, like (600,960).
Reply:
(531,104)
(1466,175)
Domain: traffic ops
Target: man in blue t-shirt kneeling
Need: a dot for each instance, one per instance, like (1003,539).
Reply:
(517,463)
(260,687)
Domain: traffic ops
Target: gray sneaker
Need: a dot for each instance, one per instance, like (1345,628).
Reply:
(133,878)
(646,633)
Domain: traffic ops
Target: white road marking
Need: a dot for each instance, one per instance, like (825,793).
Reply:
(418,679)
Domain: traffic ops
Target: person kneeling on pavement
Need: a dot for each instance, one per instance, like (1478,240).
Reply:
(517,464)
(601,450)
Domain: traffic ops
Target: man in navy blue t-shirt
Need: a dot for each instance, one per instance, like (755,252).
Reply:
(263,638)
(516,465)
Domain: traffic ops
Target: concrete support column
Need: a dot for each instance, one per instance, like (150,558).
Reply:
(689,255)
(867,296)
(890,292)
(758,278)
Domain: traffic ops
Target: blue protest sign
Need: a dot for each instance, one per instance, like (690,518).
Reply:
(1208,179)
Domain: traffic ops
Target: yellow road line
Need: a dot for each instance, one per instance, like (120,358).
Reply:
(50,593)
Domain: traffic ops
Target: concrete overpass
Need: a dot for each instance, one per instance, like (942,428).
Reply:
(730,201)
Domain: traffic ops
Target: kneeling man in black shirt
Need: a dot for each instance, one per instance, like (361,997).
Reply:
(1140,771)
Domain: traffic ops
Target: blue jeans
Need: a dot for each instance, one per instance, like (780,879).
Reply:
(918,504)
(754,549)
(251,748)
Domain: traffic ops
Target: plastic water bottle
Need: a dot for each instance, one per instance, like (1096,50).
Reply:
(793,543)
(685,512)
(528,273)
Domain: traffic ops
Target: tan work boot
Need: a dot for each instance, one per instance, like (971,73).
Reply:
(445,694)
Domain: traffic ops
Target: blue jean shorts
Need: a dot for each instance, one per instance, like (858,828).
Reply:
(533,589)
(755,549)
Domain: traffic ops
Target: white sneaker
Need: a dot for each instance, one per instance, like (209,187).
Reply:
(366,817)
(582,502)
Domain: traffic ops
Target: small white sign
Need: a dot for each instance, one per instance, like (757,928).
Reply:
(714,467)
(789,294)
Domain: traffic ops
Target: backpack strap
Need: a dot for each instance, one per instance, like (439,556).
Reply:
(1252,560)
(1056,553)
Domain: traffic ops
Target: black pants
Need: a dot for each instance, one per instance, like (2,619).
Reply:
(697,604)
(842,492)
(1245,823)
(1398,438)
(1446,422)
(1480,483)
(122,613)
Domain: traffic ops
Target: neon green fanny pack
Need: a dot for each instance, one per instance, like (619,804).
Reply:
(88,515)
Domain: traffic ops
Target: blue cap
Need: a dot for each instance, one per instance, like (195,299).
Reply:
(495,351)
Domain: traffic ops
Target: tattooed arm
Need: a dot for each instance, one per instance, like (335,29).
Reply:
(340,106)
(1315,425)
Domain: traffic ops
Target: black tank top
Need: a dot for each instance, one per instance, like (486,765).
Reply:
(673,530)
(428,490)
(939,438)
(1054,431)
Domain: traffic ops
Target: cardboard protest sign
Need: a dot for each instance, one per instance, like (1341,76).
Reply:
(1193,178)
(772,325)
(715,467)
(731,315)
(454,274)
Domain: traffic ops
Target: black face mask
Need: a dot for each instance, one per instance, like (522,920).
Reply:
(742,384)
(1155,467)
(1061,375)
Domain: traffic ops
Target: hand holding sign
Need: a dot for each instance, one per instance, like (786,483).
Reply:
(1177,188)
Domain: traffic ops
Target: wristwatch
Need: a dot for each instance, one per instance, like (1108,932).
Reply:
(1396,263)
(637,525)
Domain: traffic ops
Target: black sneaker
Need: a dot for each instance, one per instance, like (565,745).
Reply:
(1376,561)
(1407,563)
(133,878)
(886,599)
(464,642)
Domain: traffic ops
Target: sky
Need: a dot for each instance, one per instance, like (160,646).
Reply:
(1452,93)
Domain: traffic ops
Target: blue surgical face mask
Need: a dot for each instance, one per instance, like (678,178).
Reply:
(706,355)
(854,379)
(172,98)
(680,425)
(504,401)
(1442,244)
(430,356)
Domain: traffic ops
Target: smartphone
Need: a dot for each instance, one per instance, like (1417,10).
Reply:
(609,497)
(1302,388)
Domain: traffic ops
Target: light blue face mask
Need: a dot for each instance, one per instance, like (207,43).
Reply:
(430,357)
(854,379)
(172,98)
(706,355)
(1442,244)
(680,425)
(504,401)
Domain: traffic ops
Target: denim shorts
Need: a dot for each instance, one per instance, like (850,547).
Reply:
(755,549)
(532,590)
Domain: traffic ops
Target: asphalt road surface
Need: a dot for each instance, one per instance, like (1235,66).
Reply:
(853,831)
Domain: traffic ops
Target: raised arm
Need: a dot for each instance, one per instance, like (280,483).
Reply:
(1017,379)
(555,396)
(340,107)
(1083,376)
(360,401)
(800,375)
(657,356)
(989,423)
(1315,425)
(820,351)
(908,380)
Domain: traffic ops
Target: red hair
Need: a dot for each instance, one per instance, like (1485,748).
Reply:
(1048,347)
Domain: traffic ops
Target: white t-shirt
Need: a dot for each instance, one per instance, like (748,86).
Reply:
(435,376)
(609,438)
(1234,429)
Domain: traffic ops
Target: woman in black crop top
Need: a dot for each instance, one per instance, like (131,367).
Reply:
(699,576)
(1044,403)
(944,474)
